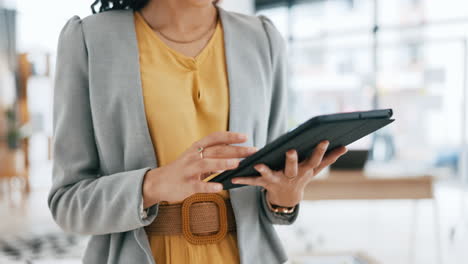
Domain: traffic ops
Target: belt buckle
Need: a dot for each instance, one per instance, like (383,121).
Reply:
(204,239)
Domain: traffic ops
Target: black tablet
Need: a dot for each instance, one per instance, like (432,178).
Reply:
(339,129)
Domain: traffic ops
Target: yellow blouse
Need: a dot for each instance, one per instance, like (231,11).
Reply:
(185,100)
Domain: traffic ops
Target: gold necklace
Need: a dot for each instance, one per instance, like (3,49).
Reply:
(189,41)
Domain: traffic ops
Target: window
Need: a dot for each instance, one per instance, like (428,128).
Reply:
(409,55)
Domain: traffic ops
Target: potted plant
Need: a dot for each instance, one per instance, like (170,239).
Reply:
(13,134)
(13,158)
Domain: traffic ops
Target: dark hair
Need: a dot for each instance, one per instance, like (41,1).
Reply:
(118,4)
(121,4)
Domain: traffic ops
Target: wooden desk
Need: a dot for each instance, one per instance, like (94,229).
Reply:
(352,185)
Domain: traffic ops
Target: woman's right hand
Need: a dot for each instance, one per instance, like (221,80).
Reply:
(183,177)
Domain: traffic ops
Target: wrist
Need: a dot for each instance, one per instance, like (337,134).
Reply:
(150,185)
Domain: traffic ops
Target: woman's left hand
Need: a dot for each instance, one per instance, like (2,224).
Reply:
(286,188)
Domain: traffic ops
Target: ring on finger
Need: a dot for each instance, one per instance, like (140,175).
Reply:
(200,151)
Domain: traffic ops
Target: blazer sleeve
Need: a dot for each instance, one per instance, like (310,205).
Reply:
(81,200)
(277,122)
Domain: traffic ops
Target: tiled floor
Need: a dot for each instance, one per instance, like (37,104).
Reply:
(390,231)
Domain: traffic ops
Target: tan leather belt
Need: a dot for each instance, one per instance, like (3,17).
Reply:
(202,218)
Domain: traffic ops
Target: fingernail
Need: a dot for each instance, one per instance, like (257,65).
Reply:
(258,167)
(217,187)
(242,136)
(253,149)
(291,153)
(325,145)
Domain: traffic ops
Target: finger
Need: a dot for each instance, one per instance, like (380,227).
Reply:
(227,151)
(256,181)
(207,187)
(266,172)
(220,137)
(290,169)
(203,166)
(316,158)
(331,157)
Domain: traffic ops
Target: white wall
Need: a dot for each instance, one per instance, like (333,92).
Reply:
(8,3)
(241,6)
(7,81)
(40,22)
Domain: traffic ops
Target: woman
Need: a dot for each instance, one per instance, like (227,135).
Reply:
(196,88)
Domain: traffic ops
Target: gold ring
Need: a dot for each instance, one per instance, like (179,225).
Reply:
(200,150)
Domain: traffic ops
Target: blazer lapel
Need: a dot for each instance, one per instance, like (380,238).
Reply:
(134,95)
(241,67)
(238,115)
(232,61)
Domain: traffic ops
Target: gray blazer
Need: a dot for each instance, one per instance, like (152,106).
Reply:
(102,147)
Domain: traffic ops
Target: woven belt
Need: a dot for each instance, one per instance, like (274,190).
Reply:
(202,218)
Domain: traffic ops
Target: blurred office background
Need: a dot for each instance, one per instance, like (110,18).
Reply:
(409,204)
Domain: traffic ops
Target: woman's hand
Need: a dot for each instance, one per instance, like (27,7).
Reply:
(286,188)
(183,177)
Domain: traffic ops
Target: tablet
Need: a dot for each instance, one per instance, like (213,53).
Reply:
(339,129)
